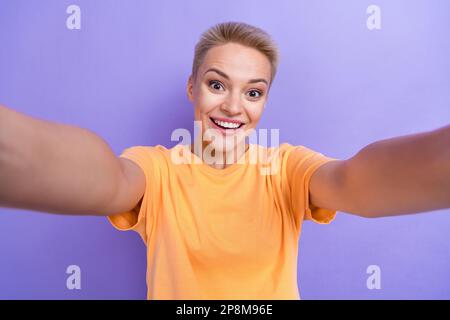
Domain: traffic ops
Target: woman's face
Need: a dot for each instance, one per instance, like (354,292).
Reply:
(231,85)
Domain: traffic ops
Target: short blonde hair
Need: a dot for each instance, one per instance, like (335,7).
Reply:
(237,32)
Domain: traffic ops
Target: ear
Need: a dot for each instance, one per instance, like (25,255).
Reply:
(189,89)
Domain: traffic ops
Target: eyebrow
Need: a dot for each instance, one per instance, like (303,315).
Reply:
(223,74)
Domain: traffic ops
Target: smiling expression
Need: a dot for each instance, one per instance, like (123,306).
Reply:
(230,90)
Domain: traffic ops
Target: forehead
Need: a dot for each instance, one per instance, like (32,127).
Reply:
(237,61)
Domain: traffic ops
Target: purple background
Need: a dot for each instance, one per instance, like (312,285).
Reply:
(339,87)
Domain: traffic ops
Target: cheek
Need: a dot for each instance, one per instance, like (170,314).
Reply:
(207,101)
(255,113)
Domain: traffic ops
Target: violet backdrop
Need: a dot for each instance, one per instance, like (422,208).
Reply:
(339,87)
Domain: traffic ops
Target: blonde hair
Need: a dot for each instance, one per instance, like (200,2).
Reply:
(236,32)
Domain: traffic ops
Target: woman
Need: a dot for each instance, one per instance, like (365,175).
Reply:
(218,224)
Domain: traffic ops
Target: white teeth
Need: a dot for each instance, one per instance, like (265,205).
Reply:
(230,125)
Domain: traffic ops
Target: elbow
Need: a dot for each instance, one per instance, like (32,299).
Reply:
(364,213)
(370,214)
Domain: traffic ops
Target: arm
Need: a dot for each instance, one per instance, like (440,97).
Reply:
(64,169)
(402,175)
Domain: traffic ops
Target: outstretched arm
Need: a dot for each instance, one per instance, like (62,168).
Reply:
(406,174)
(56,168)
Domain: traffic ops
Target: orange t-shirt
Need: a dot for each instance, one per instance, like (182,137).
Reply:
(223,233)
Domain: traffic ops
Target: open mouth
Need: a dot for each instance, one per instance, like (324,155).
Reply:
(226,125)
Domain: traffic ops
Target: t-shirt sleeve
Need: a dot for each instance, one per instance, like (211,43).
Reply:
(140,218)
(301,163)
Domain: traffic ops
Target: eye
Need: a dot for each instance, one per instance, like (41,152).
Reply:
(216,85)
(255,93)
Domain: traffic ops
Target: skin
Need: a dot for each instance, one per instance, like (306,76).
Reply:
(221,89)
(395,176)
(402,175)
(75,171)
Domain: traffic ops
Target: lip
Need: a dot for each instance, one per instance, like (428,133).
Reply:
(227,120)
(225,132)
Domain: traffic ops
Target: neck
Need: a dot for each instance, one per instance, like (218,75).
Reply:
(228,157)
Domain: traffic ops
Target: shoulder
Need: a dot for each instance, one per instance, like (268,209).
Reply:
(147,156)
(281,150)
(146,150)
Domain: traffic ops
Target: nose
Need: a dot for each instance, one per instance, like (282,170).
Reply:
(232,104)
